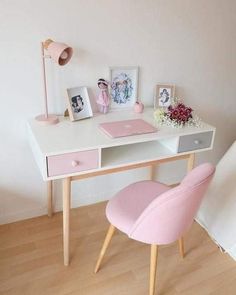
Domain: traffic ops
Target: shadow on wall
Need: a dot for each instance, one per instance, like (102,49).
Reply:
(225,131)
(216,114)
(223,189)
(217,212)
(92,95)
(11,208)
(97,189)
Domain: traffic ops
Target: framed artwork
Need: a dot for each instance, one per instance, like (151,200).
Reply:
(164,94)
(79,106)
(124,87)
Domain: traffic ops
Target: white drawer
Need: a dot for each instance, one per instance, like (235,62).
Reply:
(195,141)
(72,162)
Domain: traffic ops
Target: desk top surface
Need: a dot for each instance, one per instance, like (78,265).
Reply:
(67,136)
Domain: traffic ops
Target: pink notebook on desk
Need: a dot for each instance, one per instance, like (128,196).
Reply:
(127,128)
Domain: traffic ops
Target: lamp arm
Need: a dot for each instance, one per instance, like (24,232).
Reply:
(44,82)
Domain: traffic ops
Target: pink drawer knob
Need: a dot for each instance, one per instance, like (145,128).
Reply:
(74,163)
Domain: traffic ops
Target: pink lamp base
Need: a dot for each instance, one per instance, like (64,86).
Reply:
(49,120)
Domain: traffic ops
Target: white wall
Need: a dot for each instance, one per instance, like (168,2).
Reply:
(186,42)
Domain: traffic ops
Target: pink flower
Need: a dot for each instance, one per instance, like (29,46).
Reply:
(175,113)
(189,110)
(179,113)
(181,106)
(184,119)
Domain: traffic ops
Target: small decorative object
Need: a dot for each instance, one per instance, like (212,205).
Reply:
(124,86)
(164,93)
(66,113)
(103,99)
(138,107)
(176,115)
(79,106)
(60,53)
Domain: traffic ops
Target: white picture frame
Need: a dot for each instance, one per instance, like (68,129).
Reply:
(124,87)
(164,95)
(79,106)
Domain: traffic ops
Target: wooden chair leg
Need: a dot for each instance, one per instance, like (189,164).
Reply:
(181,247)
(109,235)
(153,267)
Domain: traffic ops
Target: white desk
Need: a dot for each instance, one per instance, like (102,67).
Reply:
(77,150)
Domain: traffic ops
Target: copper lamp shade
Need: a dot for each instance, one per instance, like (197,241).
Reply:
(60,53)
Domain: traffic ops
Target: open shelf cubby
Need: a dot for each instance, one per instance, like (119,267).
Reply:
(133,153)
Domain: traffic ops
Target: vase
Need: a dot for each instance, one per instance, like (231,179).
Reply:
(138,107)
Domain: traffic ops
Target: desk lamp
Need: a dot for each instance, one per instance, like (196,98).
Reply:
(60,53)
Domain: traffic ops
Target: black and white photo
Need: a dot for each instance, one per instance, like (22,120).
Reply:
(79,103)
(164,95)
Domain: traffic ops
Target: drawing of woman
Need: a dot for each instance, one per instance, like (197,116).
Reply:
(121,89)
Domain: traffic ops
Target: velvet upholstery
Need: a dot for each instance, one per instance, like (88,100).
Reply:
(154,213)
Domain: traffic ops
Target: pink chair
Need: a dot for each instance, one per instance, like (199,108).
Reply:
(154,213)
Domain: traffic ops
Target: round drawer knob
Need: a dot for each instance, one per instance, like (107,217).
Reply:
(197,141)
(74,163)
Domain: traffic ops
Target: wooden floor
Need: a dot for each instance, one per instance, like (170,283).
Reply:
(31,260)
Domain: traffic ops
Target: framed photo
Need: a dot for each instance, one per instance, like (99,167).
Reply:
(164,94)
(124,87)
(79,106)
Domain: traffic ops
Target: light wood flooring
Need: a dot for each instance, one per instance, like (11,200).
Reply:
(31,260)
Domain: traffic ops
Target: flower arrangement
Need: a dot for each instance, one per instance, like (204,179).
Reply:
(176,115)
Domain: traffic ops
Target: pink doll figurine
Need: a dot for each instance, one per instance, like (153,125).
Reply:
(103,97)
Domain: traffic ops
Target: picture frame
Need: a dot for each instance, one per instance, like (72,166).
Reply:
(79,106)
(124,87)
(163,96)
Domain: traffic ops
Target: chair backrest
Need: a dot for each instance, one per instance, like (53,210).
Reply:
(171,214)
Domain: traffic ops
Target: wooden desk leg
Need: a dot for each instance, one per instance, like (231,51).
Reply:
(153,172)
(190,166)
(50,197)
(191,161)
(66,218)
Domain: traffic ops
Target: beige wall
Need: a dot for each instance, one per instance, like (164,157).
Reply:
(186,42)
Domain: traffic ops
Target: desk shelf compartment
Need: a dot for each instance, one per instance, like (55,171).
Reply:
(133,153)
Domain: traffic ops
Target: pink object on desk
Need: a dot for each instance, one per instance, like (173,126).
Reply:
(138,107)
(127,128)
(60,53)
(103,99)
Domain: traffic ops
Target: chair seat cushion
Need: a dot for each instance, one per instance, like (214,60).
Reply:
(126,206)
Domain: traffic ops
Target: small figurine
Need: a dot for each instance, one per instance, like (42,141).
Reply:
(138,107)
(103,97)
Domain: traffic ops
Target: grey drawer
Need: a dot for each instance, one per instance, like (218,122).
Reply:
(195,141)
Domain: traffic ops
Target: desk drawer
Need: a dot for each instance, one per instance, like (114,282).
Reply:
(72,162)
(195,141)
